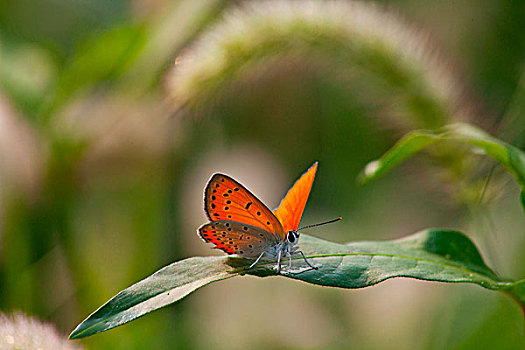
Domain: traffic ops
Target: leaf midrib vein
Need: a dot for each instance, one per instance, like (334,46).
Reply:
(452,266)
(408,257)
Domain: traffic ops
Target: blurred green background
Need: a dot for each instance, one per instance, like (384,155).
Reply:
(102,179)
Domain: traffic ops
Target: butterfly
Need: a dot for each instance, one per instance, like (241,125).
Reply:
(241,224)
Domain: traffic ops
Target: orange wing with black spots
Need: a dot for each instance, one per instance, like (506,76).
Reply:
(226,199)
(237,238)
(291,208)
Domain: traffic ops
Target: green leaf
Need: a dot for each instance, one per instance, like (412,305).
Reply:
(432,255)
(169,284)
(508,156)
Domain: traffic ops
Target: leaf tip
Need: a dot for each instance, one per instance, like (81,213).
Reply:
(369,173)
(85,329)
(75,334)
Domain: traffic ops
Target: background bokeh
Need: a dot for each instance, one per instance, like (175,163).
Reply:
(102,178)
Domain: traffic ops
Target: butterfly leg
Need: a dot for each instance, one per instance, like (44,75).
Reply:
(306,260)
(279,261)
(256,261)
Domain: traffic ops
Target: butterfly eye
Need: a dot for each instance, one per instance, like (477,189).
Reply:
(291,237)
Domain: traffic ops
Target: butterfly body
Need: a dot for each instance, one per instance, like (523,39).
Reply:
(241,224)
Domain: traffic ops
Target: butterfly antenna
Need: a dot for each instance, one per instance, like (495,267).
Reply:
(322,223)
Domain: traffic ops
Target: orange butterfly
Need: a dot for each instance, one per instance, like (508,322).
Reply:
(241,224)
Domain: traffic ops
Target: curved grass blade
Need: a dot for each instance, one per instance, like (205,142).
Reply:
(508,156)
(432,255)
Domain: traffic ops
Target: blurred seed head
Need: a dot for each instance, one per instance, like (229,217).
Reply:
(18,331)
(327,37)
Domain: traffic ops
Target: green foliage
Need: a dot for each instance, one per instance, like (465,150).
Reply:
(508,156)
(432,255)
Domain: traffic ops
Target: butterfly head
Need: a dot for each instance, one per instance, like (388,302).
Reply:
(292,237)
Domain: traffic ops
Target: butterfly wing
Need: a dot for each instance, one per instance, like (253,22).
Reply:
(237,238)
(226,199)
(291,208)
